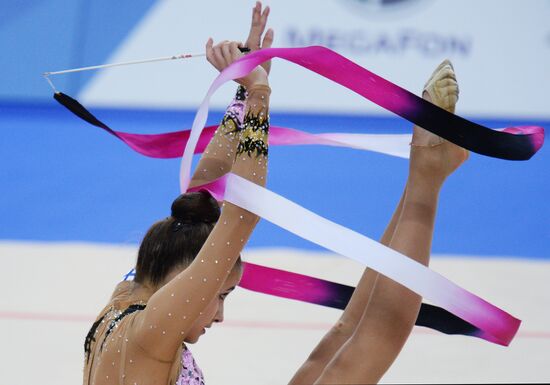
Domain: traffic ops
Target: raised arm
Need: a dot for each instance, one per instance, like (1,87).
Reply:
(162,326)
(219,155)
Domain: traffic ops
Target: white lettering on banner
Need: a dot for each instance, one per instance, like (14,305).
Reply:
(499,53)
(361,42)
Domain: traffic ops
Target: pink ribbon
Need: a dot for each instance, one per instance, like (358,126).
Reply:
(171,144)
(515,143)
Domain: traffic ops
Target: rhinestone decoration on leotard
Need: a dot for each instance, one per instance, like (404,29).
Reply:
(254,136)
(116,316)
(90,337)
(241,94)
(232,120)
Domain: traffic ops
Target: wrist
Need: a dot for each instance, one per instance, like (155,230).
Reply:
(259,89)
(253,83)
(256,77)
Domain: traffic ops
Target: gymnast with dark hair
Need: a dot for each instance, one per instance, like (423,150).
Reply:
(190,262)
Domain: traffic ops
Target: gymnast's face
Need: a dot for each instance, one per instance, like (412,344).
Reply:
(214,311)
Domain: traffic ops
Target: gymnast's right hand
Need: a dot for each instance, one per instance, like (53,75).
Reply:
(223,54)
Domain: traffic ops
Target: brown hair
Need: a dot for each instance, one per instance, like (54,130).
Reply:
(176,241)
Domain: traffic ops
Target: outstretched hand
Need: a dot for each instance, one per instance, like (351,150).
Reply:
(223,54)
(257,27)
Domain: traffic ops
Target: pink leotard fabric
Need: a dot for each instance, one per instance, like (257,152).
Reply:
(190,373)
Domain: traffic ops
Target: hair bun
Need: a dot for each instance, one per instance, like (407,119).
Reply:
(196,207)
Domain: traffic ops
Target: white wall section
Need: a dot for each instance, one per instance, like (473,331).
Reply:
(500,49)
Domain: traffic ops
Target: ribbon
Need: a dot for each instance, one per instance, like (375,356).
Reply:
(303,288)
(494,324)
(171,144)
(299,287)
(514,143)
(263,279)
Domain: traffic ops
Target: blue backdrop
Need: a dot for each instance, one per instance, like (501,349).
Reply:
(62,180)
(39,35)
(65,180)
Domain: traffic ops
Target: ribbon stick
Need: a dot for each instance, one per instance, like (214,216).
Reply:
(126,63)
(132,62)
(47,75)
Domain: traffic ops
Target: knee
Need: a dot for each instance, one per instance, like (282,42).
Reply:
(343,328)
(336,336)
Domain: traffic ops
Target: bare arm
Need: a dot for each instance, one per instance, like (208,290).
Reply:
(219,155)
(171,311)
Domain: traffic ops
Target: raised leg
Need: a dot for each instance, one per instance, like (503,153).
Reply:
(344,328)
(392,309)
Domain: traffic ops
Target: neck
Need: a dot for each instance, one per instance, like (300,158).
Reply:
(141,292)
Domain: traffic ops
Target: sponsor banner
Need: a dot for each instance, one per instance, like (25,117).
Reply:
(500,51)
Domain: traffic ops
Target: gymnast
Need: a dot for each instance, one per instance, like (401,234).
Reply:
(189,263)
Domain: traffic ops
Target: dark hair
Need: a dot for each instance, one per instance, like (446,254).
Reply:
(176,241)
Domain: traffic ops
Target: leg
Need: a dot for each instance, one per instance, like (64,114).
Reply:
(392,309)
(344,328)
(346,325)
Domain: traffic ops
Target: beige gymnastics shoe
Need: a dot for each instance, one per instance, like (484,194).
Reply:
(442,87)
(429,152)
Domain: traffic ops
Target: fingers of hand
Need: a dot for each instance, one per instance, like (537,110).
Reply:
(268,38)
(257,27)
(210,51)
(256,13)
(226,53)
(218,59)
(263,18)
(235,51)
(223,54)
(259,17)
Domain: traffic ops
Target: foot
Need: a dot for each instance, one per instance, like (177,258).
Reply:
(429,152)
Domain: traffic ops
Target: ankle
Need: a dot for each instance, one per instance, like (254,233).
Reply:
(423,184)
(426,165)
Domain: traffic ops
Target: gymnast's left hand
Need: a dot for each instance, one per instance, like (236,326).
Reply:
(254,40)
(223,54)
